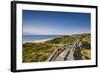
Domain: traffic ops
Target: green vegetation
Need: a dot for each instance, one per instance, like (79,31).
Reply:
(36,52)
(86,47)
(83,51)
(62,40)
(39,52)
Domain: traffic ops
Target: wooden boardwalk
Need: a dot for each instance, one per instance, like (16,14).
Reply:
(66,54)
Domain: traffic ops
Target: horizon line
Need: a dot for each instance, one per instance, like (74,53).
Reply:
(59,34)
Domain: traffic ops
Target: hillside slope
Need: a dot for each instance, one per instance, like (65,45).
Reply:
(39,52)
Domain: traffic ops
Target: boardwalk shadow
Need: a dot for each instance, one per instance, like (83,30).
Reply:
(77,55)
(65,58)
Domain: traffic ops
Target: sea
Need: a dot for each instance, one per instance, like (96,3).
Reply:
(27,38)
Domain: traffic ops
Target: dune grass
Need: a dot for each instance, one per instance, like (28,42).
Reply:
(39,52)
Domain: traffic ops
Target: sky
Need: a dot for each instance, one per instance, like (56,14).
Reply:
(55,23)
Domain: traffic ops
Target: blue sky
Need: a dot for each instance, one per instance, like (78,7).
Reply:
(55,23)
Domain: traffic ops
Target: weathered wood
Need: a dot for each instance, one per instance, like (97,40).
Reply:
(62,53)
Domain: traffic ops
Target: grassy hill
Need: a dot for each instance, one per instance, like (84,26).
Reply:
(39,52)
(83,51)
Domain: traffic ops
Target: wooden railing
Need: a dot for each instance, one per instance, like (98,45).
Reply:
(56,52)
(59,50)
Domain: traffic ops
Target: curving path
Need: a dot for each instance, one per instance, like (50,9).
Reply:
(67,54)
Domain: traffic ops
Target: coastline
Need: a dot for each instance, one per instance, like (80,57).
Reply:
(38,41)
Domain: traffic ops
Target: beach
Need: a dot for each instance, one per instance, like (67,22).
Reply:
(39,41)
